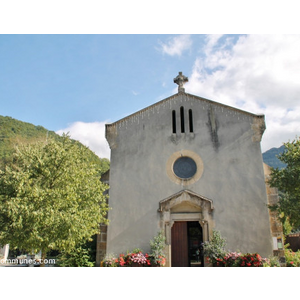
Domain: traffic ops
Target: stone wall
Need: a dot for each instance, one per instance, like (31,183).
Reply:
(102,237)
(275,223)
(101,245)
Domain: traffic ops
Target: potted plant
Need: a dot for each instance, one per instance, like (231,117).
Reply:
(157,246)
(214,250)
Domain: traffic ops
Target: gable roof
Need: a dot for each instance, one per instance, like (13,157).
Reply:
(184,195)
(185,95)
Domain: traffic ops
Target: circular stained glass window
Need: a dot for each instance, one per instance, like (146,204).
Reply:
(185,167)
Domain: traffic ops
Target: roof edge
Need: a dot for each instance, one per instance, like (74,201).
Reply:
(190,95)
(191,193)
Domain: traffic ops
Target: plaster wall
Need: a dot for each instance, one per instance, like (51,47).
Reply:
(228,142)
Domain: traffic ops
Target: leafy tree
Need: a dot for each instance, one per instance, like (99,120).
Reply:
(104,165)
(51,197)
(287,180)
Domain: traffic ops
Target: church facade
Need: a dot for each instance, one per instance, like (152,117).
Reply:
(187,166)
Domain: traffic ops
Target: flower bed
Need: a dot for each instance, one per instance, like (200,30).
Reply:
(136,258)
(133,259)
(250,260)
(216,255)
(235,259)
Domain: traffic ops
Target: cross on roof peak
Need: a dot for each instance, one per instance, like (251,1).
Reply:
(181,80)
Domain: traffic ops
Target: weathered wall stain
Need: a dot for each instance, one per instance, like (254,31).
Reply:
(213,128)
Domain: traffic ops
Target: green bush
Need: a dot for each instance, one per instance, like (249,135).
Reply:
(157,245)
(292,258)
(78,257)
(214,250)
(272,261)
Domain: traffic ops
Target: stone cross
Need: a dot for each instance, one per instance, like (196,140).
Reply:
(181,80)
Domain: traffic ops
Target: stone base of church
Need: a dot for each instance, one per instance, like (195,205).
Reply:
(101,245)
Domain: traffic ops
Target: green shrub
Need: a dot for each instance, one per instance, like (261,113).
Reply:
(292,258)
(78,257)
(110,260)
(157,246)
(272,261)
(214,250)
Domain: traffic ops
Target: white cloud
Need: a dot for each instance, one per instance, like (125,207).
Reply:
(257,73)
(91,135)
(176,45)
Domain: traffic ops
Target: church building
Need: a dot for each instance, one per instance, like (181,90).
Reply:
(187,166)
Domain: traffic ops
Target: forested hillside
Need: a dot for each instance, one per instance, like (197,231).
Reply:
(14,132)
(270,157)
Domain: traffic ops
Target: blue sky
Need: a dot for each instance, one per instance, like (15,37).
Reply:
(77,83)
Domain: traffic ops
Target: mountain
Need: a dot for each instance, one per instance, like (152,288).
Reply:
(13,131)
(270,157)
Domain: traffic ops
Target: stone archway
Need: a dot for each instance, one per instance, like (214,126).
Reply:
(185,206)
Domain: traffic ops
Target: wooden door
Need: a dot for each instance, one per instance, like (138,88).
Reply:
(179,245)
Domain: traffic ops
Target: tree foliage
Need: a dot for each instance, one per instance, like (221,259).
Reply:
(51,197)
(77,257)
(287,180)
